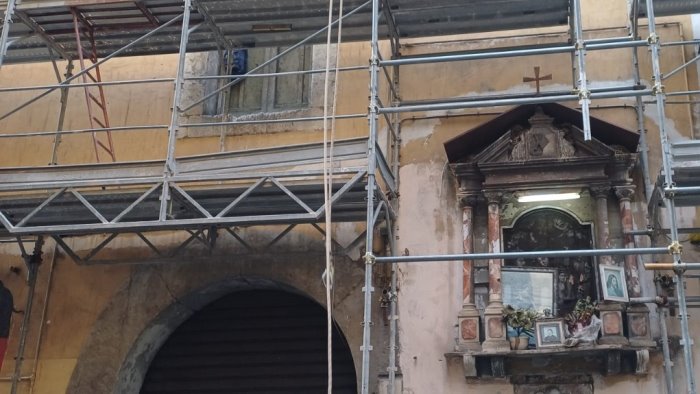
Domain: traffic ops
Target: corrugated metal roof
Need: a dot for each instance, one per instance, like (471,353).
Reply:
(264,23)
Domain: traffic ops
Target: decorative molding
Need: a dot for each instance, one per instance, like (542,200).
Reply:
(624,192)
(600,191)
(642,362)
(469,364)
(493,197)
(468,200)
(542,140)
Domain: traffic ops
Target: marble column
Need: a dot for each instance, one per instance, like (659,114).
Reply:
(624,195)
(610,312)
(637,314)
(495,328)
(468,317)
(601,193)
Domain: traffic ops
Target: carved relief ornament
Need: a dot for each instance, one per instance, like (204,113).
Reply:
(542,140)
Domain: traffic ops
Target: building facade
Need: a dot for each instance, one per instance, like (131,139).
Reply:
(224,286)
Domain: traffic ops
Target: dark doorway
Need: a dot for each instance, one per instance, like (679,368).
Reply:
(256,341)
(553,229)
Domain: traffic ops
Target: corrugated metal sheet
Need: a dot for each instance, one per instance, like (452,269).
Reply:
(259,341)
(120,22)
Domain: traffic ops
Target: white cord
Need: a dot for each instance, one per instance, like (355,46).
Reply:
(328,181)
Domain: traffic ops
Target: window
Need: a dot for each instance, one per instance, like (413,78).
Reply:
(270,94)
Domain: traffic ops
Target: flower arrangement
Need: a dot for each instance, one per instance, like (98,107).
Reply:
(582,314)
(520,320)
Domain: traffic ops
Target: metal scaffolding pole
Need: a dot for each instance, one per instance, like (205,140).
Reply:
(675,247)
(64,106)
(394,145)
(497,54)
(6,24)
(81,85)
(643,146)
(512,101)
(32,262)
(515,255)
(584,94)
(179,84)
(371,185)
(393,313)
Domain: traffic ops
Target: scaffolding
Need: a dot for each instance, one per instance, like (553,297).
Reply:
(207,194)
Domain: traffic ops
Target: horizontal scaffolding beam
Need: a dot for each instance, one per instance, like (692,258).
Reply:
(422,59)
(507,102)
(515,255)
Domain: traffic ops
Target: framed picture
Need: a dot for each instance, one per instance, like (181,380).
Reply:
(613,283)
(529,288)
(549,333)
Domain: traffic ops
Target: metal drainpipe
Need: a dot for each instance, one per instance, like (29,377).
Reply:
(643,146)
(368,289)
(668,371)
(669,200)
(49,281)
(33,262)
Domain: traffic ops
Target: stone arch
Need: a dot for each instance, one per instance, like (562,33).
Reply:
(157,299)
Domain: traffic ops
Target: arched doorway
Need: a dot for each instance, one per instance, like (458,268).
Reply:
(253,341)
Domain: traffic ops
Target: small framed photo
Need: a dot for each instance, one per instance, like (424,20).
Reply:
(549,333)
(613,283)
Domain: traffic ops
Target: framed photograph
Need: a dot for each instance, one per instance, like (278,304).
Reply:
(613,283)
(529,288)
(549,333)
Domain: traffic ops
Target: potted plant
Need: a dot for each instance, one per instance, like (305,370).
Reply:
(522,321)
(581,316)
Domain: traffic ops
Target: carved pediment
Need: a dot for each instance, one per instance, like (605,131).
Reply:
(542,140)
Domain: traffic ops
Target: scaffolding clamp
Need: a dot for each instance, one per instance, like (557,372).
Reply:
(370,258)
(583,94)
(653,38)
(675,248)
(658,90)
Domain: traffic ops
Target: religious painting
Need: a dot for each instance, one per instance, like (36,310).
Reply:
(549,333)
(614,283)
(532,288)
(554,229)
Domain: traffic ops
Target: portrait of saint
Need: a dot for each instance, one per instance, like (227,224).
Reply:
(613,283)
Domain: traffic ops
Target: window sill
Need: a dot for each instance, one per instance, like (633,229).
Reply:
(255,128)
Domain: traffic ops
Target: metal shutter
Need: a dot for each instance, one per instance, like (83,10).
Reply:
(258,341)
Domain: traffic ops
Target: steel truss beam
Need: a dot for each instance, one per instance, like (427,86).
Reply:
(41,32)
(196,214)
(207,237)
(6,26)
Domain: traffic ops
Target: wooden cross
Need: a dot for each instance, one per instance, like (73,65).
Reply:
(537,78)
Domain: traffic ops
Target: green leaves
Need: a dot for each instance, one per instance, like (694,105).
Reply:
(521,320)
(582,313)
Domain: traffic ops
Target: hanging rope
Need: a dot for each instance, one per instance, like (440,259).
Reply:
(328,178)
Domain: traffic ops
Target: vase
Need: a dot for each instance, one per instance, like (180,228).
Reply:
(519,343)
